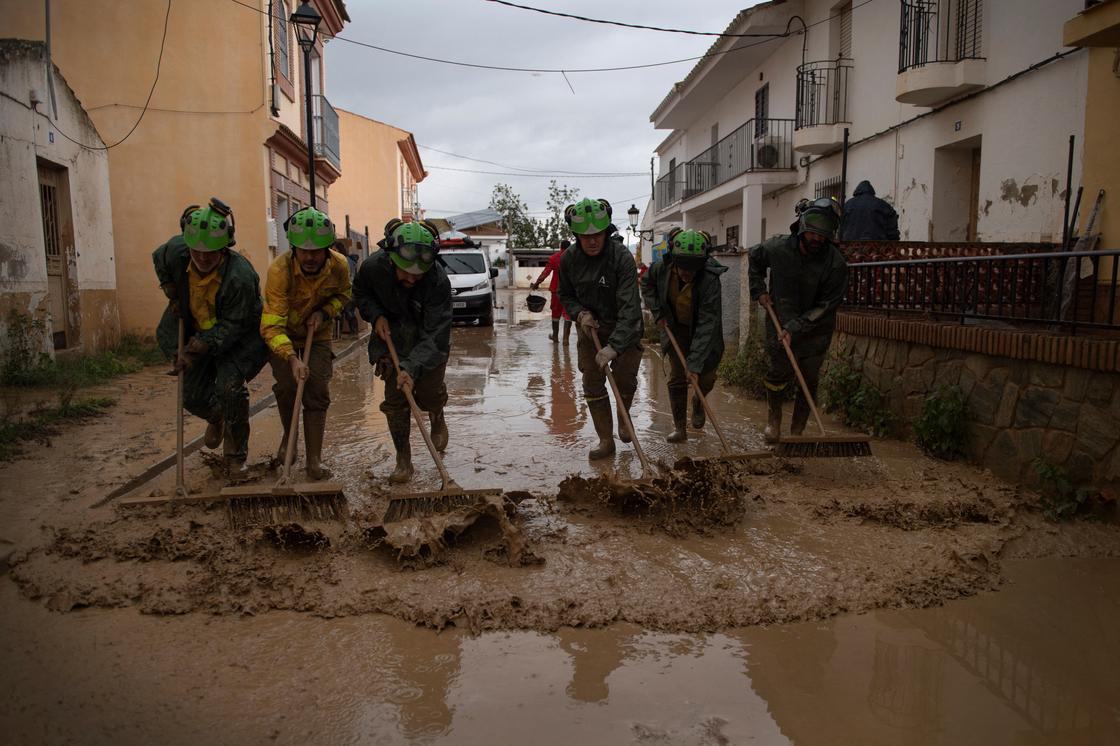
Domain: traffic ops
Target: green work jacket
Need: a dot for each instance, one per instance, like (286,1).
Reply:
(806,290)
(419,319)
(706,328)
(237,331)
(607,286)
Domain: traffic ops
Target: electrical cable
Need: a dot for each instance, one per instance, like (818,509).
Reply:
(533,170)
(624,25)
(543,176)
(159,64)
(557,70)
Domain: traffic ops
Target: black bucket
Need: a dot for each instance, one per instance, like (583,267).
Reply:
(535,303)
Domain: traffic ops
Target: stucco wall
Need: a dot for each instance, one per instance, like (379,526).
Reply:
(369,190)
(28,137)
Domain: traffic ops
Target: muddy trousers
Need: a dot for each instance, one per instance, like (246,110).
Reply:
(316,391)
(214,389)
(625,370)
(780,376)
(678,381)
(430,392)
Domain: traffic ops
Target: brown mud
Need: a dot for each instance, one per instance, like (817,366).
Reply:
(708,548)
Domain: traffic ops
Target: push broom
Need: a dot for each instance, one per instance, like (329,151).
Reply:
(824,446)
(450,495)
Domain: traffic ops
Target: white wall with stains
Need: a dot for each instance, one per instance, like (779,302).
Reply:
(27,138)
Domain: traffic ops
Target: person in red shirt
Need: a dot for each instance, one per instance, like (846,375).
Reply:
(553,268)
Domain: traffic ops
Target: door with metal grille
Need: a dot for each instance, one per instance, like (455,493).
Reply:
(58,241)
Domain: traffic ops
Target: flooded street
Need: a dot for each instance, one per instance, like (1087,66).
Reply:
(896,599)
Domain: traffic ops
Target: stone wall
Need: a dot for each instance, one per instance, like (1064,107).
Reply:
(1018,409)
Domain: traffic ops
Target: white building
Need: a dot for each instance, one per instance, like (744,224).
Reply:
(958,112)
(57,263)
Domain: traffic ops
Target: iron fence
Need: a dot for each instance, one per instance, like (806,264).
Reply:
(940,31)
(325,120)
(822,93)
(1070,289)
(757,145)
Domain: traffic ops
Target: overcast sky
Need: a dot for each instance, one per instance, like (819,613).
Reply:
(527,120)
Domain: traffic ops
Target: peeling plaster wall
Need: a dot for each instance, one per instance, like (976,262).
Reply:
(26,136)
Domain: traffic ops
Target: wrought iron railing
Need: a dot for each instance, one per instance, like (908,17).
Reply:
(1070,289)
(822,93)
(326,130)
(757,145)
(940,31)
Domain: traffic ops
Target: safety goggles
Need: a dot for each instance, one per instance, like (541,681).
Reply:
(817,221)
(414,252)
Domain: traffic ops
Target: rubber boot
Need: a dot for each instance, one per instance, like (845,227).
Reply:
(567,330)
(800,415)
(678,402)
(555,330)
(398,430)
(439,430)
(215,429)
(604,428)
(774,416)
(698,418)
(314,425)
(623,431)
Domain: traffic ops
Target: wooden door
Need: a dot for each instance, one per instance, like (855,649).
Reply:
(974,195)
(58,242)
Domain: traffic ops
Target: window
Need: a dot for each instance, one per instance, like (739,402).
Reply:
(283,59)
(762,110)
(732,236)
(844,19)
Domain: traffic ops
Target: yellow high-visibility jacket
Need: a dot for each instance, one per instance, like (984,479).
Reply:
(204,295)
(290,296)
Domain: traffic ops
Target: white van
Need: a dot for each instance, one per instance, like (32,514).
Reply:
(472,278)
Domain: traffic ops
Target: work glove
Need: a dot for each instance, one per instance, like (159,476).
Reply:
(382,367)
(534,285)
(193,350)
(604,356)
(315,320)
(587,321)
(663,322)
(299,368)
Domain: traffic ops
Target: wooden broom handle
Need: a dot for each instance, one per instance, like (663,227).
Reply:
(796,368)
(622,413)
(293,429)
(696,388)
(180,483)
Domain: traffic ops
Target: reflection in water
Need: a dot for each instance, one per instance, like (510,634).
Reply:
(595,655)
(424,676)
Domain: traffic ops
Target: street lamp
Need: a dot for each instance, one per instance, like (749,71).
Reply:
(306,20)
(632,216)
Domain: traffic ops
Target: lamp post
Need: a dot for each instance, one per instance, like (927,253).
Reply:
(306,20)
(632,216)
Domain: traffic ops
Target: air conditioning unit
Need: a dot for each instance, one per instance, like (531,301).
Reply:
(769,151)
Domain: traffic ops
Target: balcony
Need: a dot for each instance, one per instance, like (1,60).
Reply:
(325,120)
(758,145)
(822,106)
(939,51)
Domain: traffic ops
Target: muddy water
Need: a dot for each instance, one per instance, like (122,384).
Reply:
(624,632)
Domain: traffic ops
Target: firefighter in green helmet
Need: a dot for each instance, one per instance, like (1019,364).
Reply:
(403,291)
(599,290)
(216,292)
(682,292)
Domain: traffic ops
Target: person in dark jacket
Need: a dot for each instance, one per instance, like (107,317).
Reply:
(599,289)
(217,293)
(808,278)
(868,218)
(403,291)
(682,292)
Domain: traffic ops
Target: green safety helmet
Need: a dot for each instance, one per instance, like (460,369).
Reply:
(309,229)
(207,228)
(588,216)
(821,216)
(412,246)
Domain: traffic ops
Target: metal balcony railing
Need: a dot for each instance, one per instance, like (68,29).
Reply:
(758,145)
(940,31)
(1070,289)
(822,93)
(325,120)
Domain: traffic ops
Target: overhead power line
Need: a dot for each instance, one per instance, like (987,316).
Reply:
(544,176)
(565,172)
(159,63)
(568,70)
(621,23)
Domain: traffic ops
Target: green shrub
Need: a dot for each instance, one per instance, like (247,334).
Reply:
(1062,499)
(860,405)
(940,429)
(43,422)
(747,368)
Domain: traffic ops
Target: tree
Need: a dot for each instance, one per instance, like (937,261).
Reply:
(552,230)
(520,228)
